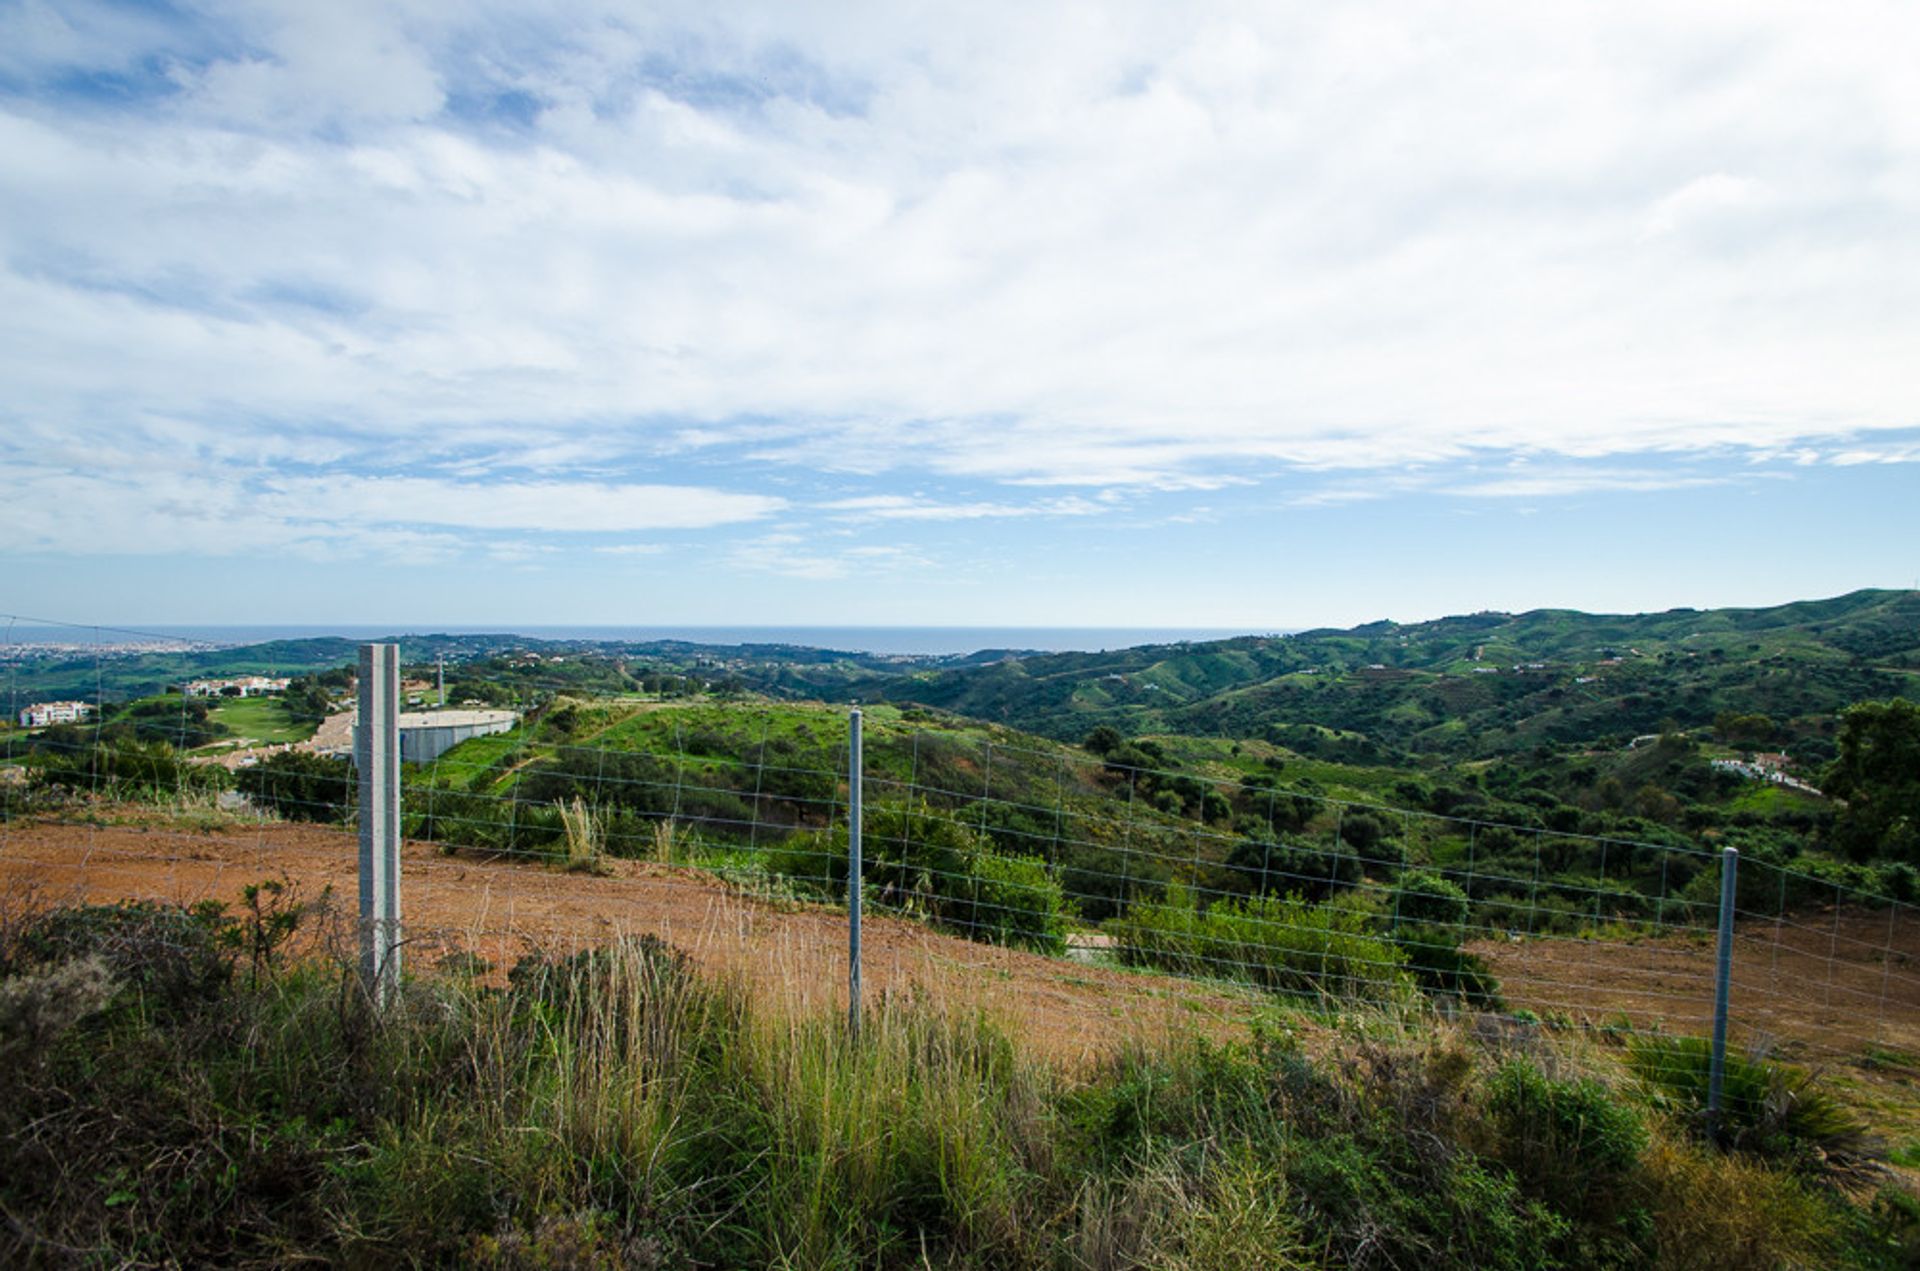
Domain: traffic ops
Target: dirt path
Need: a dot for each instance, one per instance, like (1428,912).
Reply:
(503,909)
(335,733)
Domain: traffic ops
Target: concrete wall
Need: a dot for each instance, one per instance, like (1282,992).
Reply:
(425,736)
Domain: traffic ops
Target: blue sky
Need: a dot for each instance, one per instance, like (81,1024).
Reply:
(1258,315)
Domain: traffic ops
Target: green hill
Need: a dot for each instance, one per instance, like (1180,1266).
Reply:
(1476,685)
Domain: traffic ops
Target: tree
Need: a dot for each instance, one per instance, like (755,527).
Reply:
(1877,774)
(300,786)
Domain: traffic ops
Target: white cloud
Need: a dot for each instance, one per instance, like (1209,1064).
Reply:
(899,507)
(118,509)
(809,558)
(1558,483)
(1856,455)
(545,505)
(1705,203)
(1101,246)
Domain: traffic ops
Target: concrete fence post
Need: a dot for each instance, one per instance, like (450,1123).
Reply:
(376,754)
(854,816)
(1722,981)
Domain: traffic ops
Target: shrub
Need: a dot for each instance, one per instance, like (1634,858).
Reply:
(1577,1148)
(1363,830)
(1280,943)
(1773,1111)
(1429,916)
(300,786)
(38,1008)
(177,959)
(1729,1213)
(128,769)
(1015,901)
(928,863)
(1423,898)
(1277,868)
(616,1109)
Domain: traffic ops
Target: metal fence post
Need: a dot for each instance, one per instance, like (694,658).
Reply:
(1723,976)
(376,753)
(854,765)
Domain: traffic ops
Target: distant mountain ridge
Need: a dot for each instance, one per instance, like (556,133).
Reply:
(1471,684)
(1460,687)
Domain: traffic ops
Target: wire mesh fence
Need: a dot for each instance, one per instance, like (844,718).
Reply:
(1089,892)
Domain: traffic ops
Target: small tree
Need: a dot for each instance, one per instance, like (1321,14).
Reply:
(1877,773)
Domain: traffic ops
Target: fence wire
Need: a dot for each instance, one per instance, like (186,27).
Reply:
(1125,892)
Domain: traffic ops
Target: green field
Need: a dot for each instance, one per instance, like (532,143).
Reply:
(264,719)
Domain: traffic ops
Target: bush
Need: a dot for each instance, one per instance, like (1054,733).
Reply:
(1015,901)
(38,1008)
(128,769)
(1310,870)
(1280,943)
(1774,1111)
(300,786)
(1577,1148)
(1423,898)
(1429,916)
(616,1109)
(177,959)
(923,862)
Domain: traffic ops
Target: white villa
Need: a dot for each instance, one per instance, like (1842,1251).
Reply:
(243,686)
(40,714)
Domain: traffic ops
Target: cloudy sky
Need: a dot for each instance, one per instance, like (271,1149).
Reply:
(1260,315)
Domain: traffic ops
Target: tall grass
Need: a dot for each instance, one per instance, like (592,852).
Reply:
(617,1108)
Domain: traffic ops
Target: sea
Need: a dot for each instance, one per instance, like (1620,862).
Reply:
(920,641)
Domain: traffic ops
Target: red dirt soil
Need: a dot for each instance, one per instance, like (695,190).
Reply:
(1821,985)
(502,909)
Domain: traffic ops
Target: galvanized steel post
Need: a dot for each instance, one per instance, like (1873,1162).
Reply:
(1723,977)
(376,753)
(854,764)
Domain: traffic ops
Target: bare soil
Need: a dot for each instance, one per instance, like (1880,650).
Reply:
(1840,990)
(503,909)
(1821,984)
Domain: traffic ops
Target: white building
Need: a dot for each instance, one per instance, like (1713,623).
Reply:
(243,686)
(40,714)
(426,735)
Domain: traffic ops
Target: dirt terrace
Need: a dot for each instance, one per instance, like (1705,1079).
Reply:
(502,909)
(1826,987)
(1820,984)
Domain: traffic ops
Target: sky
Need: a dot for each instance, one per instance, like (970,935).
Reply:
(1260,316)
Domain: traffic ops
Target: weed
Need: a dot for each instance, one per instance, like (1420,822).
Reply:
(1577,1148)
(582,826)
(1774,1111)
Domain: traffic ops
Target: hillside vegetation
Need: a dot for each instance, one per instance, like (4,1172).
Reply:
(1475,686)
(181,1092)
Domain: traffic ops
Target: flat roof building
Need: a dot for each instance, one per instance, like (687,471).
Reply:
(426,735)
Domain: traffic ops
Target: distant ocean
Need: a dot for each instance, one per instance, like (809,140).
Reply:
(885,640)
